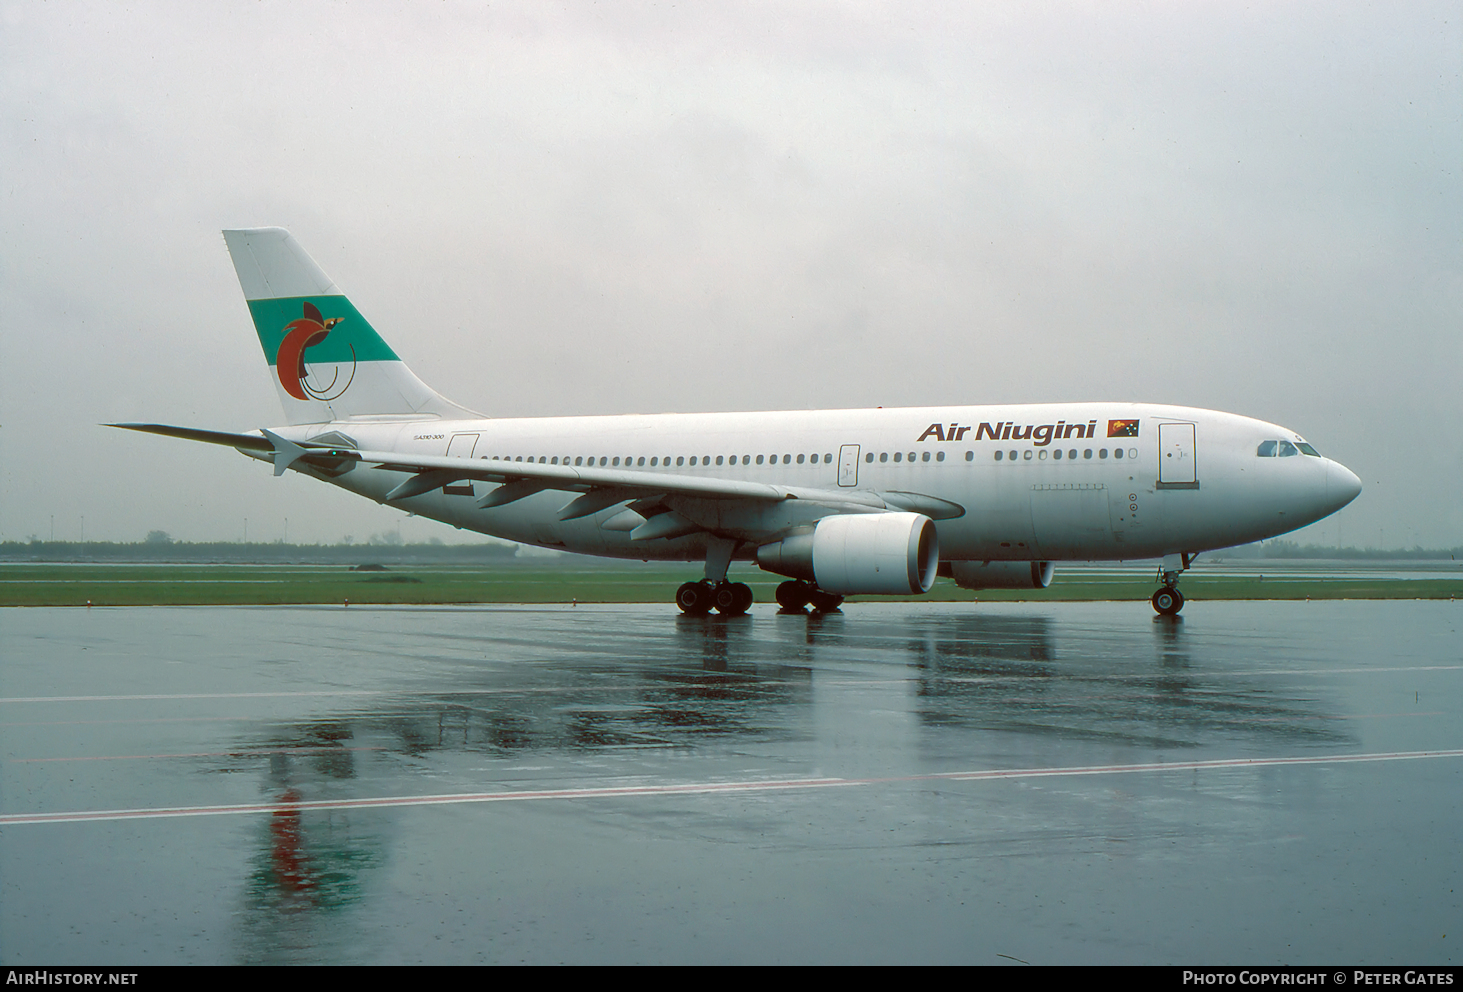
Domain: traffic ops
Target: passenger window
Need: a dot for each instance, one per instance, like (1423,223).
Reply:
(1102,453)
(800,458)
(898,456)
(924,457)
(759,459)
(602,461)
(869,457)
(970,456)
(1072,454)
(1041,454)
(911,456)
(616,462)
(1026,454)
(1012,455)
(999,455)
(1117,452)
(827,458)
(939,456)
(883,456)
(554,460)
(693,459)
(680,459)
(1087,453)
(718,459)
(1057,454)
(654,461)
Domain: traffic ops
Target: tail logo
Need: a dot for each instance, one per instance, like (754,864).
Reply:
(289,361)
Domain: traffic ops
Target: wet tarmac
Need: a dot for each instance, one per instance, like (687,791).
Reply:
(1263,782)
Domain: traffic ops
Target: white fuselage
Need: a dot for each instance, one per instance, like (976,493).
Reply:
(1051,485)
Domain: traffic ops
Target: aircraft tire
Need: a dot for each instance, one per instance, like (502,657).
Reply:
(824,602)
(694,598)
(732,599)
(793,596)
(1168,601)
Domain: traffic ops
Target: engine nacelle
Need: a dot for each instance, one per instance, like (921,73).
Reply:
(853,553)
(998,574)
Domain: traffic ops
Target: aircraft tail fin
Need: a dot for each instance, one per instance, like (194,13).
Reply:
(326,360)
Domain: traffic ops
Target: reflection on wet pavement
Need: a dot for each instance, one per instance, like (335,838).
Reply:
(173,712)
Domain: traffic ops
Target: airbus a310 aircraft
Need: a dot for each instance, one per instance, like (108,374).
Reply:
(842,502)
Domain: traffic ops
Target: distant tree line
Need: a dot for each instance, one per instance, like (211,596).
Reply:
(158,546)
(1290,549)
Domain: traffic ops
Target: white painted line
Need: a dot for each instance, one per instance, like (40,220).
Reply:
(699,788)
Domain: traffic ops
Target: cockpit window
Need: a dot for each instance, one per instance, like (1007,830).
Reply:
(1284,449)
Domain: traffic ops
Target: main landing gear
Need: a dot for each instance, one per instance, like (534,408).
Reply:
(793,596)
(730,599)
(1168,600)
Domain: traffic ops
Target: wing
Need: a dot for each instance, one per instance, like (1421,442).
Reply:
(652,496)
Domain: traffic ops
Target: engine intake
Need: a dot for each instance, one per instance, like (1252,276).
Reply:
(853,553)
(998,574)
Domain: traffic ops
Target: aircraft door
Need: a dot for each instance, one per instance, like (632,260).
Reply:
(848,465)
(1177,467)
(461,446)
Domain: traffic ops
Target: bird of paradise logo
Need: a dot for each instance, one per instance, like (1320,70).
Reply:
(289,361)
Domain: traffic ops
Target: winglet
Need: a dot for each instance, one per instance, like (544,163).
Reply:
(286,453)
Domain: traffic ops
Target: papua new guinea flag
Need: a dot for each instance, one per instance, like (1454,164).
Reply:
(1122,428)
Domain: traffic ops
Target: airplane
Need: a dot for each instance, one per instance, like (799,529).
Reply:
(839,502)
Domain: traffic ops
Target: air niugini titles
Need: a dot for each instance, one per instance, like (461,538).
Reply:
(1038,434)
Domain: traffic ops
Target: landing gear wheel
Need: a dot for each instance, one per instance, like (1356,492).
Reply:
(694,598)
(793,596)
(825,602)
(1168,601)
(732,598)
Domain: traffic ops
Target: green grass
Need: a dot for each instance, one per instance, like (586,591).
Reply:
(634,582)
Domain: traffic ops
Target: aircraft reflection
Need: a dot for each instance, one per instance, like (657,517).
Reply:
(706,681)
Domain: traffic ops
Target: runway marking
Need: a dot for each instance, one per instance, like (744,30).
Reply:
(700,788)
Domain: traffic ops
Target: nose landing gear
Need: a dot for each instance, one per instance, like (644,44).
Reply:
(1168,600)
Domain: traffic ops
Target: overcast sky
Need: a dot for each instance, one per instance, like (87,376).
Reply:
(608,208)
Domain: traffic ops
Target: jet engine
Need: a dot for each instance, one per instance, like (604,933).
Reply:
(998,574)
(853,553)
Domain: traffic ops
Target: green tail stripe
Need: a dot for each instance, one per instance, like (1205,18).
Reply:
(352,338)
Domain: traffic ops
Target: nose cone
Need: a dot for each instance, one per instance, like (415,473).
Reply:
(1342,486)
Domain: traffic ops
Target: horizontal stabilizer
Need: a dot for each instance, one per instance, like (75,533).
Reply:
(250,442)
